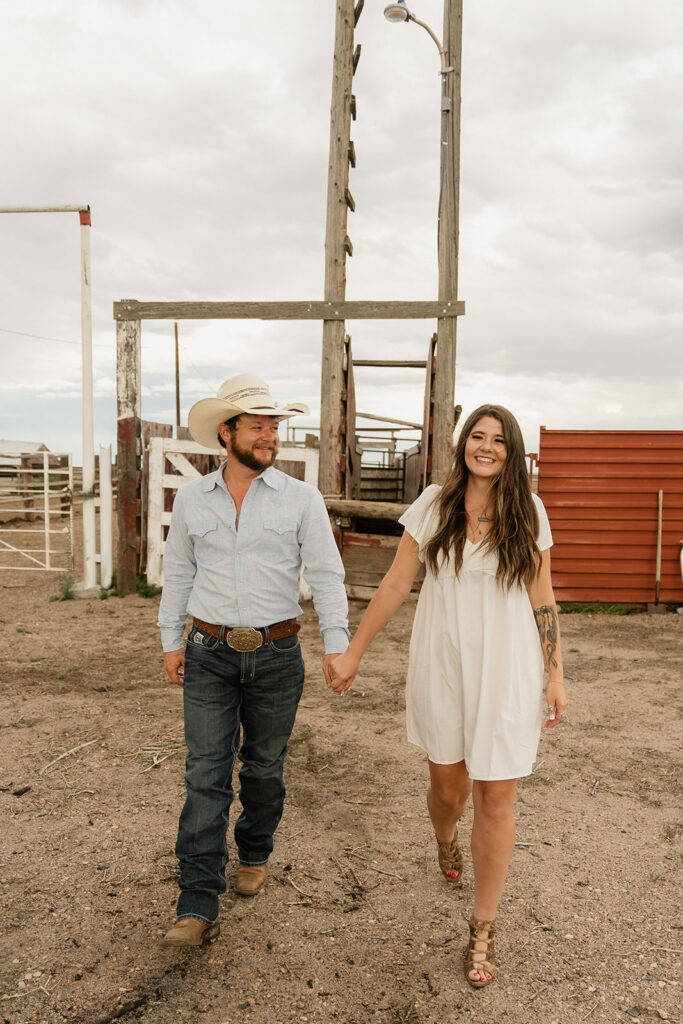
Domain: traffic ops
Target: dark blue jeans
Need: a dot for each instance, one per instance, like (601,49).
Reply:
(225,690)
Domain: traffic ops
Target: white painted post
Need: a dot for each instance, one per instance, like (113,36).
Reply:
(46,506)
(89,542)
(106,517)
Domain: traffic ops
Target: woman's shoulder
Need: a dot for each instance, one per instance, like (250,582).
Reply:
(426,498)
(431,492)
(540,507)
(545,537)
(418,516)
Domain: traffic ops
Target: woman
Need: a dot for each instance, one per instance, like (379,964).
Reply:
(474,695)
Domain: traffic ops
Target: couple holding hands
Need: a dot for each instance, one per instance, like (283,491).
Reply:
(485,630)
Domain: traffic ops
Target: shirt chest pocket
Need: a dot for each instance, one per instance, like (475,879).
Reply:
(280,538)
(204,535)
(286,528)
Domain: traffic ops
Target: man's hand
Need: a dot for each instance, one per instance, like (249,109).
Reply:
(174,663)
(340,671)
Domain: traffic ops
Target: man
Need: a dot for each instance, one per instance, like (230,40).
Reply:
(237,540)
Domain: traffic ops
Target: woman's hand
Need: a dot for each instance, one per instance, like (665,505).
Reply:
(342,672)
(555,702)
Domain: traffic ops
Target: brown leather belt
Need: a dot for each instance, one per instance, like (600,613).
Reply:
(248,638)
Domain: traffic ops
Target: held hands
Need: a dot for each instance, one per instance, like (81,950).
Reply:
(340,671)
(556,704)
(174,663)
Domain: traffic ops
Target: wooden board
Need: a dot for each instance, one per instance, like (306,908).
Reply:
(132,309)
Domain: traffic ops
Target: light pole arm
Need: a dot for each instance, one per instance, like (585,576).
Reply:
(442,53)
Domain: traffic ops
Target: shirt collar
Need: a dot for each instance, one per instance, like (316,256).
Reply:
(269,476)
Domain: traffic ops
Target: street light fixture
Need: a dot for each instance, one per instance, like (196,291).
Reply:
(399,11)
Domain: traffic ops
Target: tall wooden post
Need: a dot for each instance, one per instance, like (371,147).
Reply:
(128,375)
(337,245)
(177,380)
(448,228)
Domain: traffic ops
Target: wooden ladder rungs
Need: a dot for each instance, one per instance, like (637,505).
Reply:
(420,363)
(349,200)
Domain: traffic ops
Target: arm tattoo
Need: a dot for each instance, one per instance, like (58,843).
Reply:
(549,632)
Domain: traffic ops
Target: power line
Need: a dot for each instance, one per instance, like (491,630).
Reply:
(42,337)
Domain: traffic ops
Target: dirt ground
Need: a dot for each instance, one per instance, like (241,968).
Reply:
(355,923)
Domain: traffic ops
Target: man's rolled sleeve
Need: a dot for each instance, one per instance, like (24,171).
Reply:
(324,572)
(180,569)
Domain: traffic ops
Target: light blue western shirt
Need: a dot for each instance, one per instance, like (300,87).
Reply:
(250,576)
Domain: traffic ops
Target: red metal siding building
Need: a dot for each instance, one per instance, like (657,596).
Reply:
(601,489)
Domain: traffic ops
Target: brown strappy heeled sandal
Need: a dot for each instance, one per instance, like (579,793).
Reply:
(450,860)
(483,950)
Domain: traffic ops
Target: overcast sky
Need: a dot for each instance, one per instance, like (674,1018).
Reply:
(198,133)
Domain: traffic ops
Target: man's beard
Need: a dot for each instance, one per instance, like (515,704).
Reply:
(248,459)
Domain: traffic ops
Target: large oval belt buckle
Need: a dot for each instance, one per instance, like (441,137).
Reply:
(244,638)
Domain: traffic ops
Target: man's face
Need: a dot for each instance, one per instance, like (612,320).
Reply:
(254,441)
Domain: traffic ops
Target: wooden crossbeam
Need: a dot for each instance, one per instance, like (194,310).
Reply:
(370,509)
(131,309)
(387,419)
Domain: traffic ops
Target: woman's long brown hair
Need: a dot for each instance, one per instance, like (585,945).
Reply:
(515,519)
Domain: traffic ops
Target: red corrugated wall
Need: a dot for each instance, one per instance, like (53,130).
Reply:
(600,488)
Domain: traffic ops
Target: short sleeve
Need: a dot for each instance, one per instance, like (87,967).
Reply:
(545,537)
(420,519)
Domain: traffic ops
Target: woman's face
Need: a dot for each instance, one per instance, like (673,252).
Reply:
(485,448)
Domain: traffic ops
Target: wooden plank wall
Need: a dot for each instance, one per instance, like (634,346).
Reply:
(367,558)
(600,488)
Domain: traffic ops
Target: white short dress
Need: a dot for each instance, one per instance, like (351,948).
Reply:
(475,673)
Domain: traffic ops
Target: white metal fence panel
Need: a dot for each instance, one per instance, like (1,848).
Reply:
(36,514)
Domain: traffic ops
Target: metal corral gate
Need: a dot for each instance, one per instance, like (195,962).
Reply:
(39,495)
(165,449)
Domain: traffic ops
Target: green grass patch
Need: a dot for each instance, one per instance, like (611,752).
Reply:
(145,589)
(598,608)
(66,591)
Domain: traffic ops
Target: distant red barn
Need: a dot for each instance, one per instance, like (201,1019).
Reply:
(601,489)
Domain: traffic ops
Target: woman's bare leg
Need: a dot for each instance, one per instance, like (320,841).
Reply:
(449,789)
(493,842)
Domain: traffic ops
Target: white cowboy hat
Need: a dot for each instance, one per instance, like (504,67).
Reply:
(243,393)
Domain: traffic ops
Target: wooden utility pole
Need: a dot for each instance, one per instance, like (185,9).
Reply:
(177,380)
(337,245)
(448,229)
